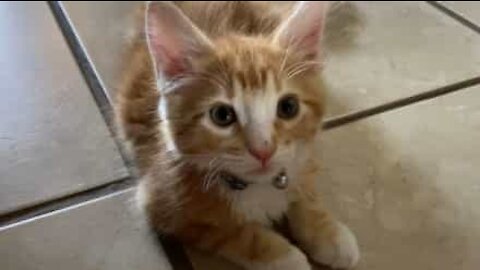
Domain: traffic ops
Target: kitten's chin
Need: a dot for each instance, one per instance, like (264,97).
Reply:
(261,170)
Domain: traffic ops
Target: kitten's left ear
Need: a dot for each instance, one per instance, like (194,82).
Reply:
(302,31)
(173,39)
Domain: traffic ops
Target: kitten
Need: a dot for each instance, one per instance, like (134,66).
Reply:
(218,101)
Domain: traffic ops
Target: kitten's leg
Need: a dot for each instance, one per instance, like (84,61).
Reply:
(325,239)
(252,246)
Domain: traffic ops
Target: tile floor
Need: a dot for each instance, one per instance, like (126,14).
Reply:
(468,9)
(53,141)
(406,180)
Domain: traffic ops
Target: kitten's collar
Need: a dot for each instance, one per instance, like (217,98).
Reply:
(235,183)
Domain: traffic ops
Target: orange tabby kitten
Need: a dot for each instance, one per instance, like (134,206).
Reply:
(222,102)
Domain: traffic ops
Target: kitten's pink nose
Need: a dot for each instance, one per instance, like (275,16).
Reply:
(262,154)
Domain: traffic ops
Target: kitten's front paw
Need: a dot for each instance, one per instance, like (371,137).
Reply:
(340,250)
(294,260)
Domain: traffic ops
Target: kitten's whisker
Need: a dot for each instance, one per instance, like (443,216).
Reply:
(209,156)
(297,71)
(232,158)
(300,66)
(284,60)
(207,175)
(211,175)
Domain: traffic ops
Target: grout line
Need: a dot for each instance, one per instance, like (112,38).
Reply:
(396,104)
(455,15)
(173,249)
(90,74)
(45,208)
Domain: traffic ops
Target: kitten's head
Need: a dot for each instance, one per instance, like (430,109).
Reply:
(250,106)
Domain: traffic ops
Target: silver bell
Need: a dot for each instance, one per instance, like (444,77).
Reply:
(281,181)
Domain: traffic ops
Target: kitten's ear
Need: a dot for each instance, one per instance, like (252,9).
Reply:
(173,40)
(302,31)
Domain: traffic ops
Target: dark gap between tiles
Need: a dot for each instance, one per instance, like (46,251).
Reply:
(64,202)
(97,89)
(174,250)
(455,15)
(396,104)
(103,102)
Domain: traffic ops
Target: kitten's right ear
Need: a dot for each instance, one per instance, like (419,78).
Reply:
(173,39)
(302,31)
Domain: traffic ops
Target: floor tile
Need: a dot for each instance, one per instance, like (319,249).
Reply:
(381,51)
(53,140)
(377,52)
(104,28)
(469,9)
(407,184)
(105,234)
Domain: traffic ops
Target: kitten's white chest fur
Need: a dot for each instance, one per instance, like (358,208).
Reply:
(259,202)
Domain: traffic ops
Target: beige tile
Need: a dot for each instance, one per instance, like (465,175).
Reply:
(53,140)
(407,182)
(469,9)
(377,52)
(381,51)
(105,234)
(104,28)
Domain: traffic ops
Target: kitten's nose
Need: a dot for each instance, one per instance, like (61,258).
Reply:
(262,154)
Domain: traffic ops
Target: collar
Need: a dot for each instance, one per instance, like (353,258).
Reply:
(235,183)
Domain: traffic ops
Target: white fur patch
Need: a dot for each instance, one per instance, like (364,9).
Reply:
(261,111)
(165,126)
(342,253)
(239,103)
(262,106)
(259,202)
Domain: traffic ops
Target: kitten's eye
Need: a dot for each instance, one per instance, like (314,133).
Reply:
(223,115)
(288,107)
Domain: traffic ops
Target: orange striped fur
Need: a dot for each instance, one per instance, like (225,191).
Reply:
(193,55)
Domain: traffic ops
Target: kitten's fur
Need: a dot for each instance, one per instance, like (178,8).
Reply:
(248,55)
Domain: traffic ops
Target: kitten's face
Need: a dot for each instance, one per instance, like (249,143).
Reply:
(248,110)
(248,104)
